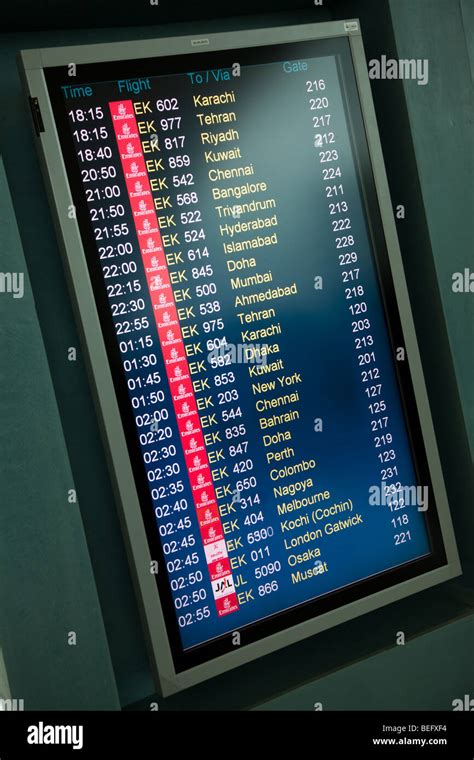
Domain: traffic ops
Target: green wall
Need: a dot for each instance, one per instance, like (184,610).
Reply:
(47,588)
(441,119)
(63,566)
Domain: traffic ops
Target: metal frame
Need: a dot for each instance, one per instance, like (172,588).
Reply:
(32,63)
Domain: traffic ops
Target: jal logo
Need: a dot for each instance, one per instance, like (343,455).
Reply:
(466,704)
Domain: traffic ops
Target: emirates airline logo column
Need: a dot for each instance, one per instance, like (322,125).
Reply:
(174,354)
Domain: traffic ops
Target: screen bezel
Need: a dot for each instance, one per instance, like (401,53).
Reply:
(286,617)
(174,672)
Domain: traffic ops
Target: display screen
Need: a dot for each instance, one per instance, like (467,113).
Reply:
(232,233)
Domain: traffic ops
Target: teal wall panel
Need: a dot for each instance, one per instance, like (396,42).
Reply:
(47,587)
(467,10)
(441,116)
(423,674)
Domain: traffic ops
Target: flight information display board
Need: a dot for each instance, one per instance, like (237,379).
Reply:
(227,210)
